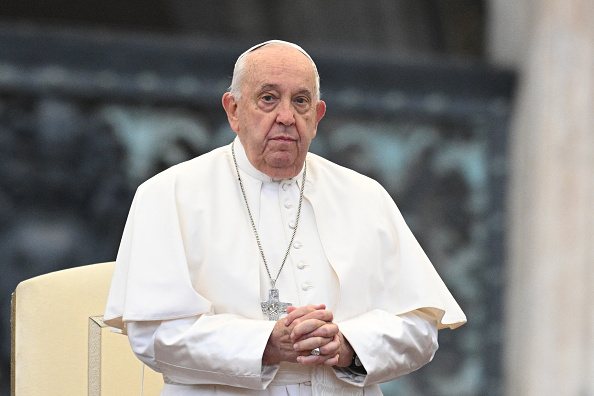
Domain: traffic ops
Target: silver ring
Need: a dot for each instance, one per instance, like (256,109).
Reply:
(315,351)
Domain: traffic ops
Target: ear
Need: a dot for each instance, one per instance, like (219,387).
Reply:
(320,111)
(230,106)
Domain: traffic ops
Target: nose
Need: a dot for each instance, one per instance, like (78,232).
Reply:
(285,113)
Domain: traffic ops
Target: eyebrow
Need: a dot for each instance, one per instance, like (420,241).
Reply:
(264,87)
(305,91)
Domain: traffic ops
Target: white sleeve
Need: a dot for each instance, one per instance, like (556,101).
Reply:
(227,349)
(208,349)
(389,346)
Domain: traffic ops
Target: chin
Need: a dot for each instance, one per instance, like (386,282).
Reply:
(283,171)
(282,160)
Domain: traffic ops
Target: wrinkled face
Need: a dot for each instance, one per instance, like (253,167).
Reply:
(278,112)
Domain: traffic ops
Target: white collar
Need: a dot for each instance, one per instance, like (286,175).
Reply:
(246,166)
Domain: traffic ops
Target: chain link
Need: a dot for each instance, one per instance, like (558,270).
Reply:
(272,281)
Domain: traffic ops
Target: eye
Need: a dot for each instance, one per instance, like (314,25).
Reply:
(302,103)
(267,101)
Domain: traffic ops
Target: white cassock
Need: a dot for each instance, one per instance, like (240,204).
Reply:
(189,278)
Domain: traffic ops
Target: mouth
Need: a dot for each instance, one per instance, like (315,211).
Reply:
(284,139)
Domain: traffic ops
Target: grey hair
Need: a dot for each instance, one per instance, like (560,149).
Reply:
(239,70)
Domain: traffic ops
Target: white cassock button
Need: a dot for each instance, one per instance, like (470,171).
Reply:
(301,266)
(297,245)
(292,223)
(286,186)
(288,205)
(306,286)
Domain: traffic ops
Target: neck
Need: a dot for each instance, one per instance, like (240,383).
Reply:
(281,173)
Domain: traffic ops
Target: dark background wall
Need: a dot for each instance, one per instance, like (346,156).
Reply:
(96,97)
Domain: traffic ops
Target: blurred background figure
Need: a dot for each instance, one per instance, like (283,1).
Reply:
(475,115)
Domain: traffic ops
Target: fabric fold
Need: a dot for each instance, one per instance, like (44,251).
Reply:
(189,221)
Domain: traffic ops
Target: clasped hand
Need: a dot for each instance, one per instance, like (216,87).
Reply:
(303,329)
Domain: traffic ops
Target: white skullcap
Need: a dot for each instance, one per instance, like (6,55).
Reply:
(255,47)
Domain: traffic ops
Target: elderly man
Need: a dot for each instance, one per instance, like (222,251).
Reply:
(262,269)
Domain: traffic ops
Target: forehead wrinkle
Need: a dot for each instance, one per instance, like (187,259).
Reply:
(243,65)
(266,86)
(263,65)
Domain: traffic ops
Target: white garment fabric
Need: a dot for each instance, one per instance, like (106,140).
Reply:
(174,348)
(202,326)
(307,277)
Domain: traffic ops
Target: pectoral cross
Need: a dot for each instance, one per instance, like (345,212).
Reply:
(273,308)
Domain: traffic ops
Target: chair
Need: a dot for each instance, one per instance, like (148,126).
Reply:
(60,345)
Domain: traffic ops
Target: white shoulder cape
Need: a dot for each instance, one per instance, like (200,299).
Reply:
(188,247)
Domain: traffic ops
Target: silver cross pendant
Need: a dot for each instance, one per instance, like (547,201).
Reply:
(273,308)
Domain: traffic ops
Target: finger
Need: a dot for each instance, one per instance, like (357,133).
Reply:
(333,361)
(326,330)
(331,347)
(318,360)
(328,354)
(290,309)
(314,328)
(303,329)
(316,342)
(298,312)
(327,350)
